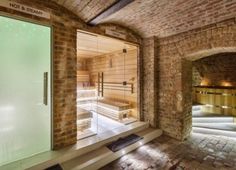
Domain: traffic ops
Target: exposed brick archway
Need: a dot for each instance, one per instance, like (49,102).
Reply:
(208,52)
(175,56)
(187,81)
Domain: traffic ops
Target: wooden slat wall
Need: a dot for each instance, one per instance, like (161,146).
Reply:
(221,101)
(117,68)
(82,76)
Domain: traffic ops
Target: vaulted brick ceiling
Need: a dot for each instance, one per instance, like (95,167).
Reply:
(157,17)
(86,9)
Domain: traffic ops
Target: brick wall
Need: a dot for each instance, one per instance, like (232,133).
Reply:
(175,56)
(217,70)
(65,25)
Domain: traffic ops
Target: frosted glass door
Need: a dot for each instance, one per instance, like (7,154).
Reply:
(25,116)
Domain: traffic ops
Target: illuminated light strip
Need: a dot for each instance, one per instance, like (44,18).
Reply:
(224,107)
(217,118)
(116,111)
(213,120)
(223,94)
(214,132)
(113,110)
(85,90)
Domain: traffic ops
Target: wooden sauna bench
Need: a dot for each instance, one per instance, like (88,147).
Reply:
(113,109)
(83,119)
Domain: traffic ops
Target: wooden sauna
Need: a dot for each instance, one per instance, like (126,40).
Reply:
(106,79)
(219,100)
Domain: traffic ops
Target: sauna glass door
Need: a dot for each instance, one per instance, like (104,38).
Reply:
(107,83)
(25,74)
(130,82)
(110,71)
(87,119)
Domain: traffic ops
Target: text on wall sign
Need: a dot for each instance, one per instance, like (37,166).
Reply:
(24,8)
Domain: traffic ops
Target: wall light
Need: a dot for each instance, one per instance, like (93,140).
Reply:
(226,84)
(205,82)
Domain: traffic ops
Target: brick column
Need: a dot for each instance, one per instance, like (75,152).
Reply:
(187,97)
(64,86)
(150,81)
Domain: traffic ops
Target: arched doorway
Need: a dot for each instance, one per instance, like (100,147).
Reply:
(208,74)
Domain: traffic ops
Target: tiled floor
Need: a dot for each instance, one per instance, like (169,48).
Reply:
(199,152)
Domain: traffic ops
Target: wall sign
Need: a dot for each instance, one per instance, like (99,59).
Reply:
(115,33)
(24,8)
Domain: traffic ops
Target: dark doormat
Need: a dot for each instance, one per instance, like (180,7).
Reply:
(123,142)
(55,167)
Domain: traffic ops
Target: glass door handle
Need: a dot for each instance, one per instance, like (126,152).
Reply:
(45,88)
(102,83)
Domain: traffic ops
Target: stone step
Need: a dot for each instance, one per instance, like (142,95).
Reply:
(207,114)
(102,156)
(219,119)
(219,126)
(216,132)
(50,158)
